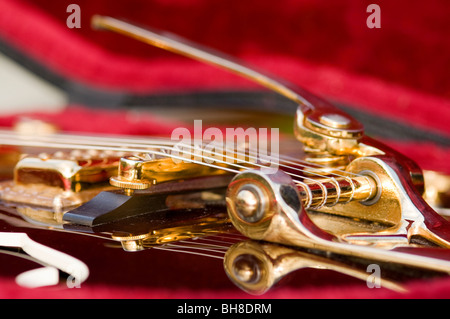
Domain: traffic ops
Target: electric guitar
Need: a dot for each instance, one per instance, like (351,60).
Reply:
(214,214)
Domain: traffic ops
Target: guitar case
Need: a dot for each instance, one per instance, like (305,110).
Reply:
(394,79)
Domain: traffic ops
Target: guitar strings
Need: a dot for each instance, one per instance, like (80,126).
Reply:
(210,248)
(43,141)
(189,252)
(204,244)
(50,141)
(112,141)
(235,171)
(195,247)
(67,139)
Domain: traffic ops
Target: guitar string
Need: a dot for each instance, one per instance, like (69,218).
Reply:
(232,238)
(210,239)
(204,247)
(196,243)
(183,246)
(189,252)
(235,171)
(106,140)
(66,140)
(300,182)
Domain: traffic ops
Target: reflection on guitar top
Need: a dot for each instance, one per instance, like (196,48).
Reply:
(253,266)
(338,200)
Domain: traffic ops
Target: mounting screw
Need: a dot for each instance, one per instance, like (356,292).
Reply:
(250,203)
(335,120)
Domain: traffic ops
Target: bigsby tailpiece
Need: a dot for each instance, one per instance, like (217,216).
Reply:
(378,186)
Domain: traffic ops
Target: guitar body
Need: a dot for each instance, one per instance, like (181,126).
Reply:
(169,272)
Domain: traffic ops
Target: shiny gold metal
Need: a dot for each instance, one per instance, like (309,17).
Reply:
(257,267)
(191,229)
(137,173)
(130,242)
(283,220)
(9,156)
(385,209)
(131,176)
(60,179)
(437,191)
(249,204)
(319,192)
(335,120)
(322,128)
(322,144)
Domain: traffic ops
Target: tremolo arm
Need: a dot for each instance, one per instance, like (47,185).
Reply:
(319,125)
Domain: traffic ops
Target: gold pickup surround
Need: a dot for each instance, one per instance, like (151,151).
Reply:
(59,180)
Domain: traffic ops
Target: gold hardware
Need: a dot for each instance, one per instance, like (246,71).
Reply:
(256,267)
(283,220)
(322,129)
(131,176)
(137,173)
(335,120)
(130,242)
(59,180)
(9,156)
(437,191)
(192,229)
(251,202)
(331,191)
(330,139)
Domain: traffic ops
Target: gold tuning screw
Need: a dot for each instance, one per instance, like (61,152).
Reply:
(250,203)
(129,186)
(130,175)
(130,242)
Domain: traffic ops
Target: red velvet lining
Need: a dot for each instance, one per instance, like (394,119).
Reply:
(434,289)
(411,48)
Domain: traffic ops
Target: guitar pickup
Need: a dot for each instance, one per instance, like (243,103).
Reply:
(60,180)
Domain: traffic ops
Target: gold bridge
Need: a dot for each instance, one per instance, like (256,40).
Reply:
(74,177)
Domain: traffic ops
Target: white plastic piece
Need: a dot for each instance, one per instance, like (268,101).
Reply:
(78,271)
(39,277)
